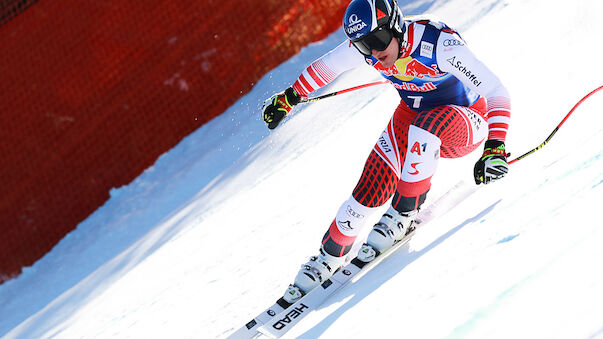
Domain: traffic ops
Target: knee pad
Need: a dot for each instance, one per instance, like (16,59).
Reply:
(421,159)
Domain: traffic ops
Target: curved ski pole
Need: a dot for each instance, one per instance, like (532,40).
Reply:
(328,95)
(556,128)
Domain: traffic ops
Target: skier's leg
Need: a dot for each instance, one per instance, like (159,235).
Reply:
(467,129)
(375,187)
(377,184)
(453,130)
(420,162)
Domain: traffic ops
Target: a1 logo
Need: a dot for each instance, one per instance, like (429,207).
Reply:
(417,148)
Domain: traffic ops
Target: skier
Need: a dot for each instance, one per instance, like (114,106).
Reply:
(450,103)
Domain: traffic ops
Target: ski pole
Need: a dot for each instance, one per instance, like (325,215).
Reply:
(556,128)
(343,91)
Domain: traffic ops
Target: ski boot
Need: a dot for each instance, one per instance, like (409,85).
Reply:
(392,227)
(313,273)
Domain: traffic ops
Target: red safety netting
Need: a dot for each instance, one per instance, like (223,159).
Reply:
(93,92)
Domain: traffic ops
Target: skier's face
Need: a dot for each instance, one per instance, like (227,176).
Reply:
(388,56)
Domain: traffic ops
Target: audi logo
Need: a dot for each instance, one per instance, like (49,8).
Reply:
(452,42)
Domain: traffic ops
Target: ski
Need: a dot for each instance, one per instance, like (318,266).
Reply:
(250,330)
(281,324)
(279,318)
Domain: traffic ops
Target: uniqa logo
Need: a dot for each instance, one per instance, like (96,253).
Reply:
(355,24)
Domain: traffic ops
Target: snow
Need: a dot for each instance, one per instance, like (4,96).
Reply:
(215,230)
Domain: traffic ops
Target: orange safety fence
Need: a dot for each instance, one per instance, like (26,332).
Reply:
(92,92)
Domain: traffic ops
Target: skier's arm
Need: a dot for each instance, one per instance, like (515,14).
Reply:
(321,72)
(454,57)
(328,67)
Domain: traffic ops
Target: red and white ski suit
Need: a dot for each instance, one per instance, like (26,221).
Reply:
(450,102)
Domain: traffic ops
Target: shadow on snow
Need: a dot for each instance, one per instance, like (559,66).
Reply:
(376,281)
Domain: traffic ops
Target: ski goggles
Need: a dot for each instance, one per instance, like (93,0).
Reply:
(377,40)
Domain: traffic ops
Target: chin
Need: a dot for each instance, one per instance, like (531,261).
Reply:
(388,63)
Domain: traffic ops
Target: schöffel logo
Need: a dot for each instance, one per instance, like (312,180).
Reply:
(296,312)
(355,24)
(458,64)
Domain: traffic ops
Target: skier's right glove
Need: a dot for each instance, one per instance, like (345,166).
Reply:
(278,106)
(493,163)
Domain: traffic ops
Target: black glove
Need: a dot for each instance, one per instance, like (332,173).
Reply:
(278,106)
(493,163)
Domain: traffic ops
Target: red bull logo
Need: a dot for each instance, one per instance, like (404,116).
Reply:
(408,68)
(416,69)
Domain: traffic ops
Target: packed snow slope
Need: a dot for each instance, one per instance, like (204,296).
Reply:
(217,228)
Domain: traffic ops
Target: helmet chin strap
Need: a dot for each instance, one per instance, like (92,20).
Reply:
(401,45)
(402,42)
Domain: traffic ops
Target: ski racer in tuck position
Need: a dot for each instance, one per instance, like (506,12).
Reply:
(450,103)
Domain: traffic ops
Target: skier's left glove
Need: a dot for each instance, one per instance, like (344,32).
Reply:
(493,163)
(278,106)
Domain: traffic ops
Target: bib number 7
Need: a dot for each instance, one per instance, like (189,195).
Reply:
(416,100)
